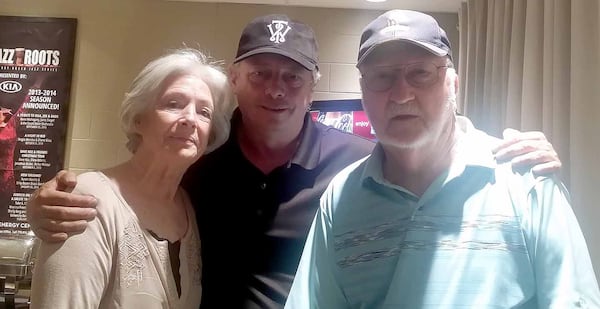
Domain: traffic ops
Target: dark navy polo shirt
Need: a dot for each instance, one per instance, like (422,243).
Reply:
(253,225)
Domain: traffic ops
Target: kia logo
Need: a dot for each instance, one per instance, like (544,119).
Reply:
(10,86)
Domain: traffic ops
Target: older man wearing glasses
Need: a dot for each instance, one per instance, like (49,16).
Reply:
(430,220)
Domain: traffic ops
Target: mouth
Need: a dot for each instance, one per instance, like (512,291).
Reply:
(275,109)
(185,140)
(404,117)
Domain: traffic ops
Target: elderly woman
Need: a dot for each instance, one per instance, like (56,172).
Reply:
(143,251)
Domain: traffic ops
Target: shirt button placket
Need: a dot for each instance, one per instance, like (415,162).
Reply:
(259,211)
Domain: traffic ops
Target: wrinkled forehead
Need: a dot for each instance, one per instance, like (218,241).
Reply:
(180,77)
(398,53)
(193,83)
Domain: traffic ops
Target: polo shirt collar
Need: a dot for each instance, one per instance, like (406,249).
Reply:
(309,150)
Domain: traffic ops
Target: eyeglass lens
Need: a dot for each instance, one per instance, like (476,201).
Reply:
(290,78)
(418,75)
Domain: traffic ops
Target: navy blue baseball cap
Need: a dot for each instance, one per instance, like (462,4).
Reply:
(278,34)
(406,26)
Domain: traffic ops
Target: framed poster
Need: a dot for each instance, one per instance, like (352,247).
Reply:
(36,64)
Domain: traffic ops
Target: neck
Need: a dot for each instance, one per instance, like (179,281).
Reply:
(271,147)
(156,177)
(417,168)
(150,185)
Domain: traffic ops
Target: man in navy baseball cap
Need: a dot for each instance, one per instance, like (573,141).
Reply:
(428,219)
(276,163)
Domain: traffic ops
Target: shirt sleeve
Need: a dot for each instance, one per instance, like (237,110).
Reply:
(74,273)
(563,269)
(315,284)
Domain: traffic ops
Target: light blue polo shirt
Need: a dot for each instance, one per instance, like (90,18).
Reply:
(481,236)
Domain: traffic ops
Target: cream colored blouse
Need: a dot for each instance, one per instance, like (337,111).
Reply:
(115,263)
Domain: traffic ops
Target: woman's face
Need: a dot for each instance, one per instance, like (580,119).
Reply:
(179,124)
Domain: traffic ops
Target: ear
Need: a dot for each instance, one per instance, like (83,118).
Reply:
(456,83)
(452,80)
(233,76)
(360,82)
(137,122)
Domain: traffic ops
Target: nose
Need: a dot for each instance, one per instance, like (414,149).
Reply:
(189,116)
(402,92)
(275,87)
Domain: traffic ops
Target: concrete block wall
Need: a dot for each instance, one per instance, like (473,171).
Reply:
(116,38)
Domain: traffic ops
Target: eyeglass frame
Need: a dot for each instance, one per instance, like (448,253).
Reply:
(253,74)
(402,69)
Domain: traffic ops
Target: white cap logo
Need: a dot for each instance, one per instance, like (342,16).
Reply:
(278,29)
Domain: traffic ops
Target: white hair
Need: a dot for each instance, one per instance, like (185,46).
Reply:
(145,88)
(451,77)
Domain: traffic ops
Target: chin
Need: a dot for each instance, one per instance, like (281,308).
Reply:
(404,140)
(401,144)
(186,154)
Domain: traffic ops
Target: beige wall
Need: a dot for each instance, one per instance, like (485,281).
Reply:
(117,37)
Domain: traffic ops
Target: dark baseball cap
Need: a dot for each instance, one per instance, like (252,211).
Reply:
(407,26)
(278,34)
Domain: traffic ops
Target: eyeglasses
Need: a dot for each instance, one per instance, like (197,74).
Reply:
(418,75)
(290,78)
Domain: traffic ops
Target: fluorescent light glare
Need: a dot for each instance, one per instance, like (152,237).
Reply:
(376,0)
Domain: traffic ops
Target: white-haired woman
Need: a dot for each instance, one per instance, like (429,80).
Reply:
(143,250)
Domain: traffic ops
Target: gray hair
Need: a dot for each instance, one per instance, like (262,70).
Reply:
(452,76)
(145,88)
(316,76)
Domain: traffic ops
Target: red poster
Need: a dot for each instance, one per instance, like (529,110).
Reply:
(36,64)
(314,115)
(341,120)
(355,122)
(362,125)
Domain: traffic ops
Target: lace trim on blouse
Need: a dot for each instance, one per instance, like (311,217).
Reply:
(193,254)
(132,252)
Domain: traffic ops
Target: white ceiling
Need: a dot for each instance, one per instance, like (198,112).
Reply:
(419,5)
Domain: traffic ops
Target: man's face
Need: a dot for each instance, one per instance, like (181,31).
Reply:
(405,94)
(271,90)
